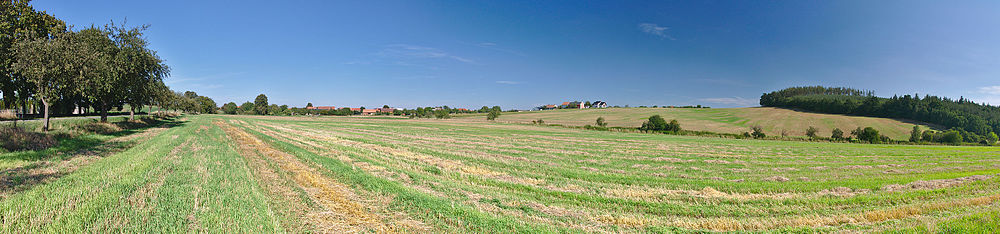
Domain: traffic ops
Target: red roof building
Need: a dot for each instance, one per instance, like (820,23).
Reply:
(321,108)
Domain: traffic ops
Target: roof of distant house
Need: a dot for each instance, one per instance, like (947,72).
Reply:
(321,108)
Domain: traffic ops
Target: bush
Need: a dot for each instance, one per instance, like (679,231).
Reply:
(493,115)
(539,121)
(952,137)
(601,122)
(928,136)
(15,139)
(811,132)
(869,135)
(837,134)
(657,123)
(757,132)
(442,114)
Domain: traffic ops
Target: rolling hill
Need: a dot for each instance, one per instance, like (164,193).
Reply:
(725,120)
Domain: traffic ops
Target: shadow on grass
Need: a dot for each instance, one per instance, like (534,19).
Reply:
(37,171)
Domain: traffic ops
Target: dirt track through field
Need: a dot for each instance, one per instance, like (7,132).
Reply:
(341,213)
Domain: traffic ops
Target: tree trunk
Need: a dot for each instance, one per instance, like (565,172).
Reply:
(104,113)
(45,105)
(131,113)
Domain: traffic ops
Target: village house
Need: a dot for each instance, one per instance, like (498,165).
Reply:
(369,111)
(321,108)
(599,104)
(573,105)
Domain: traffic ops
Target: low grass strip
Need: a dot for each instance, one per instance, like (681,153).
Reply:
(340,212)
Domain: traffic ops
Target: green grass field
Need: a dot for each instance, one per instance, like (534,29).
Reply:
(722,120)
(214,173)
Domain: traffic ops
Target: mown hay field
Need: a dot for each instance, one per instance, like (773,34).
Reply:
(722,120)
(327,174)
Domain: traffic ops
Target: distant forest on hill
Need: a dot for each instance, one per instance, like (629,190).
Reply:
(972,119)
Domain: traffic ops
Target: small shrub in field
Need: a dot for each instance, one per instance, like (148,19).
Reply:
(837,134)
(811,132)
(657,123)
(539,121)
(757,132)
(601,122)
(14,139)
(99,128)
(493,115)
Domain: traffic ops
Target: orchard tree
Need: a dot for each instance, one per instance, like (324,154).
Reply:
(53,67)
(139,67)
(21,22)
(246,108)
(206,105)
(230,108)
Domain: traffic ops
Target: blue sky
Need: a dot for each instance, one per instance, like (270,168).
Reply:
(521,54)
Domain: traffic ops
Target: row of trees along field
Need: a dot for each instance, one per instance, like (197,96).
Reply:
(974,121)
(260,106)
(43,61)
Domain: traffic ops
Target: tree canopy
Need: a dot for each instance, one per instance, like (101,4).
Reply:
(969,119)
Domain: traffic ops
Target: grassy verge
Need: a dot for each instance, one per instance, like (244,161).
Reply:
(185,179)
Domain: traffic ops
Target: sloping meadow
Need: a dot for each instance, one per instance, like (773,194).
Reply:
(454,175)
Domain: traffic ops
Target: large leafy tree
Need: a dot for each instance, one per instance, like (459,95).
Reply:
(139,68)
(20,22)
(53,67)
(134,71)
(260,104)
(230,108)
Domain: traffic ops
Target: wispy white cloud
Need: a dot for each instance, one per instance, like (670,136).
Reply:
(420,52)
(735,101)
(994,90)
(656,30)
(507,82)
(496,47)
